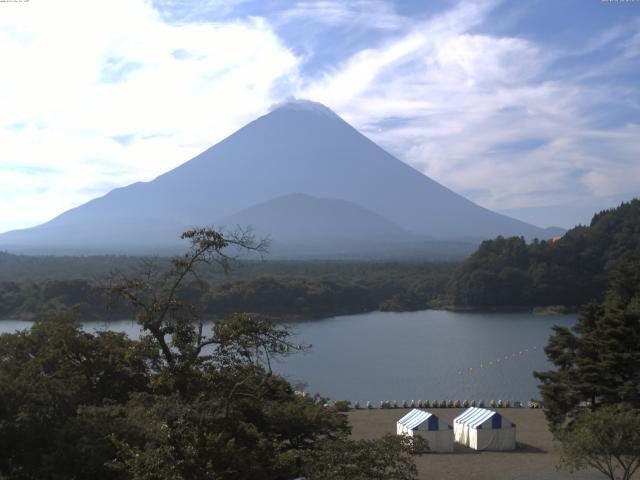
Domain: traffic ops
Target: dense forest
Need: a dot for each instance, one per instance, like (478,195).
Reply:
(32,286)
(502,273)
(571,271)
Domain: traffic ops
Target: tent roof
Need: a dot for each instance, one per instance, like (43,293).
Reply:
(474,416)
(414,418)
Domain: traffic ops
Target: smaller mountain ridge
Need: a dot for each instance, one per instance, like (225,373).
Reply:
(298,217)
(301,226)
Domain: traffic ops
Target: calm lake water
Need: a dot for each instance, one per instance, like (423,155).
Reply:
(431,355)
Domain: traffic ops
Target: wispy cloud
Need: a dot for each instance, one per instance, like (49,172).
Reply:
(373,14)
(456,97)
(187,11)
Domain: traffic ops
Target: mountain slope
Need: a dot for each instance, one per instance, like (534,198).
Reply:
(300,147)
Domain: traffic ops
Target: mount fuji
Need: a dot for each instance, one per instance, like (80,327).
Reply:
(300,174)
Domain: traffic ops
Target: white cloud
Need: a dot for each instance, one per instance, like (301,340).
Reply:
(374,14)
(101,94)
(77,73)
(196,10)
(484,115)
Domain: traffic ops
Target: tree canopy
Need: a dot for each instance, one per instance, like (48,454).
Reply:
(598,359)
(570,271)
(185,401)
(607,440)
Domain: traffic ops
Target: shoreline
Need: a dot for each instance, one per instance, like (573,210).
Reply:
(549,310)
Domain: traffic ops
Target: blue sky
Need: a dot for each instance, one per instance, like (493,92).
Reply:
(530,108)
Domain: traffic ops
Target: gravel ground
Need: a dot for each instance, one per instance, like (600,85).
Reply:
(536,457)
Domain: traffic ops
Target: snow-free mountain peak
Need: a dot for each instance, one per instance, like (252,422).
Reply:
(305,106)
(300,146)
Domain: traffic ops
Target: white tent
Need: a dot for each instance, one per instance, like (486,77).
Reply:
(426,424)
(483,429)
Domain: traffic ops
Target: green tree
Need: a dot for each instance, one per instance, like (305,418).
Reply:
(571,271)
(216,407)
(607,440)
(168,320)
(46,375)
(388,458)
(184,402)
(597,360)
(217,410)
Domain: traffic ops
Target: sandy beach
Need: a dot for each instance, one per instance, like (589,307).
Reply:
(535,459)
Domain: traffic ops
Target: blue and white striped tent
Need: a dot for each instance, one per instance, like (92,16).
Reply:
(415,418)
(483,429)
(475,417)
(427,425)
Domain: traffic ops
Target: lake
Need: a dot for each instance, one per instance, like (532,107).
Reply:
(427,355)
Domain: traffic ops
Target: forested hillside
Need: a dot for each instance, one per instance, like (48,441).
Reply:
(508,272)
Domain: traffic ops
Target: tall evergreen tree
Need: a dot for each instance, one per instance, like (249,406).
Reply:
(597,360)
